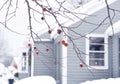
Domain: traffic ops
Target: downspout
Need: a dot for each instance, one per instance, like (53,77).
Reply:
(110,56)
(109,35)
(57,53)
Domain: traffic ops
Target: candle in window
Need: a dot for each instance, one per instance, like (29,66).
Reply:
(96,62)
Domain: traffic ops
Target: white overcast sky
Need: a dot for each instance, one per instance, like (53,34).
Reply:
(19,23)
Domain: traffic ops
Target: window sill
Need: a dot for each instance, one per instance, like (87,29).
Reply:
(98,67)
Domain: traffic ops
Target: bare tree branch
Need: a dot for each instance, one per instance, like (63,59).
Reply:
(109,16)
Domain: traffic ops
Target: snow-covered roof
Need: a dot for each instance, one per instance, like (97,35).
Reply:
(84,11)
(115,28)
(87,9)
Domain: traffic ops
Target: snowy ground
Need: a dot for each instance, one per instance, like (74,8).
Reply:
(37,80)
(104,81)
(50,80)
(3,81)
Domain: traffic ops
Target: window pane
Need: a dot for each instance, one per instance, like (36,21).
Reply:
(96,40)
(96,62)
(96,51)
(97,55)
(97,47)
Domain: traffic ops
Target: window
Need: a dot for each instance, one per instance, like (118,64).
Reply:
(24,67)
(96,47)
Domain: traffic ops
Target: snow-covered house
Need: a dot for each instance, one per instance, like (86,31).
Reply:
(98,47)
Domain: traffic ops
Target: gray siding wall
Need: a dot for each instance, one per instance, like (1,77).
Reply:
(44,63)
(76,74)
(48,62)
(115,55)
(58,63)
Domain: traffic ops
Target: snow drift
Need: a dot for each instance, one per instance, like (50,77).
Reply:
(104,81)
(37,80)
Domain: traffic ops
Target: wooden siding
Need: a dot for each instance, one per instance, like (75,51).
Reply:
(44,63)
(115,55)
(77,74)
(48,62)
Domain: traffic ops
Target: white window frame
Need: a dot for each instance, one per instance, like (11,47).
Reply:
(105,51)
